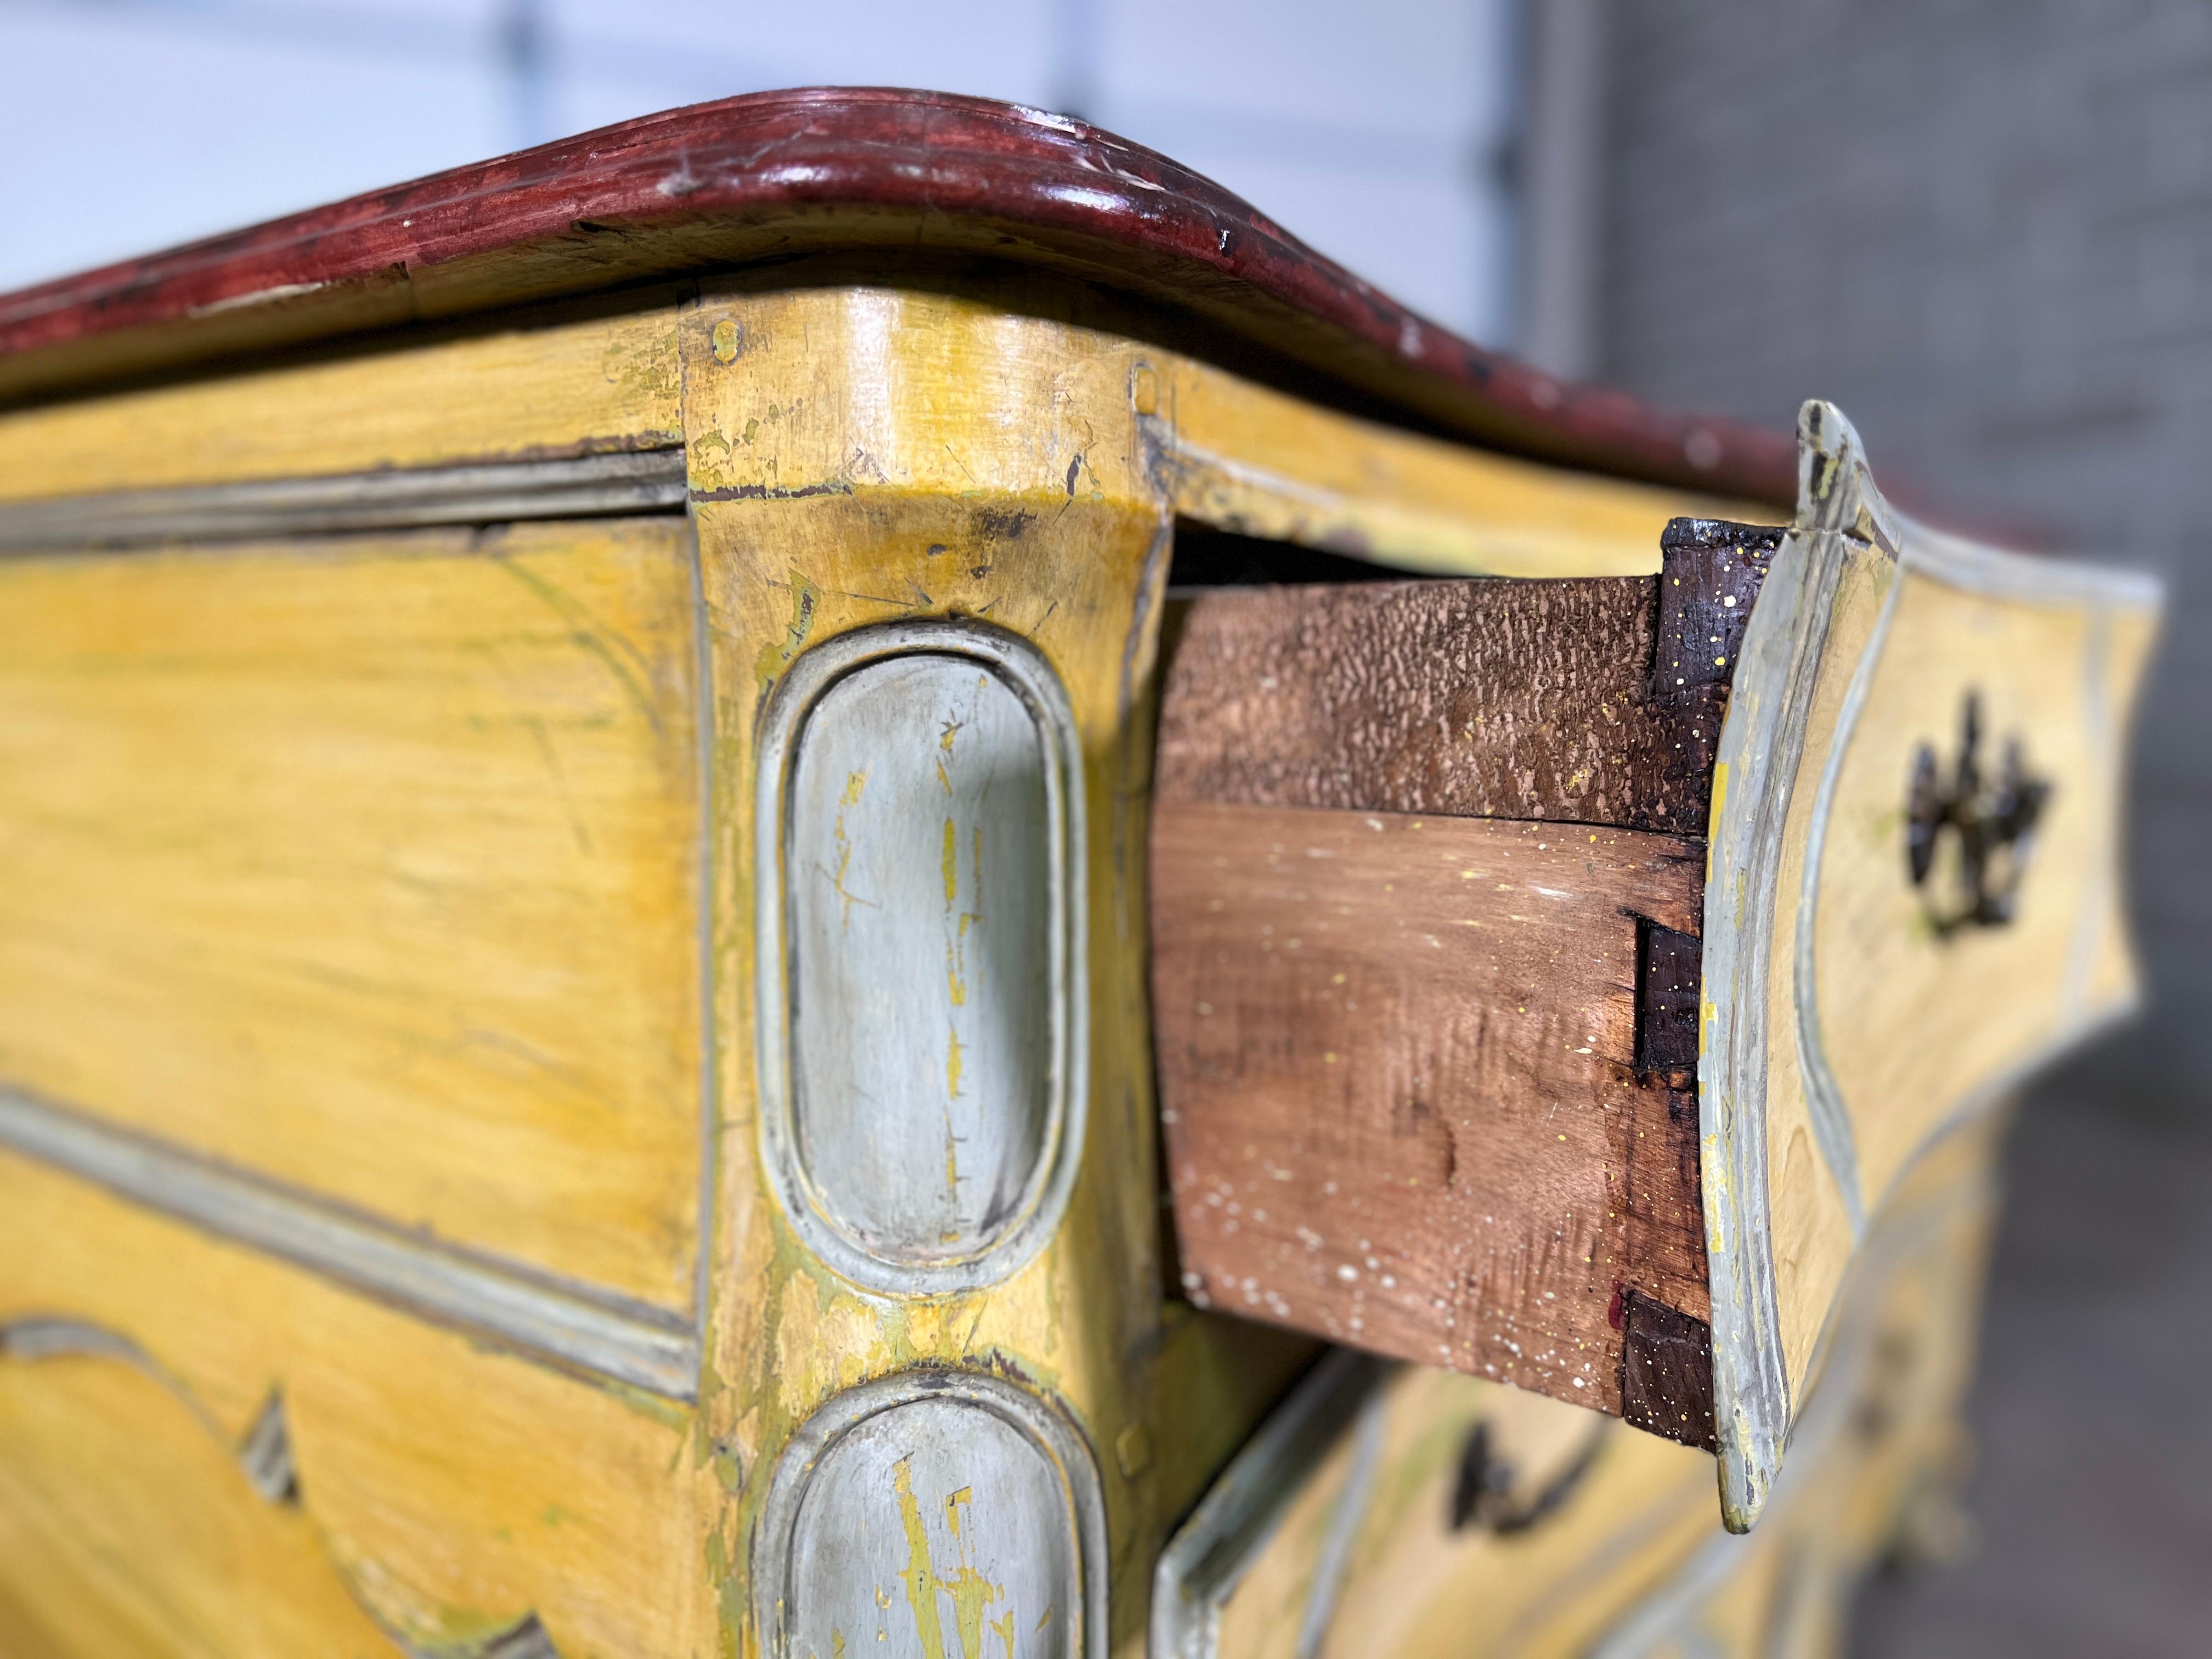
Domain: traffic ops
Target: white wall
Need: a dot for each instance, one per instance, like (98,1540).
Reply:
(1370,129)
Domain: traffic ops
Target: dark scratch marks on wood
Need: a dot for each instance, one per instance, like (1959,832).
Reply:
(630,665)
(761,492)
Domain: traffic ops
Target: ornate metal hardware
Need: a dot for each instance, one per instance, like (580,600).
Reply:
(1993,820)
(1483,1494)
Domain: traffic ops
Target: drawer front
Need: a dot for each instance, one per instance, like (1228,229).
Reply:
(1913,895)
(1402,1509)
(368,869)
(1543,970)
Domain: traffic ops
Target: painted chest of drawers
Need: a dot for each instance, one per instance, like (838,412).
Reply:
(841,874)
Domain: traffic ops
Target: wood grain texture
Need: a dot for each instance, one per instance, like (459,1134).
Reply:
(560,386)
(372,865)
(782,172)
(1714,569)
(1398,1064)
(1505,699)
(1666,1371)
(1631,1559)
(1881,1452)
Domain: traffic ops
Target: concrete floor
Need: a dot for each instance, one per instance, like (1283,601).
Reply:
(2094,1492)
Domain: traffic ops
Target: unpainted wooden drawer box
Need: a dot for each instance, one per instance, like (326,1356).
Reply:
(1427,884)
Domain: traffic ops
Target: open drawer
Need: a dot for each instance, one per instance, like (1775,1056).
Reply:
(1552,978)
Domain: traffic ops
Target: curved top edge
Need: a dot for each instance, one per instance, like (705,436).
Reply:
(770,174)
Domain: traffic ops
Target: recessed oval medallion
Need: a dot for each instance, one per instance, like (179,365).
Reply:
(932,1513)
(921,1029)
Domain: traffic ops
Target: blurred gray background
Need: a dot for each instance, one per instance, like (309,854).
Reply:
(1982,227)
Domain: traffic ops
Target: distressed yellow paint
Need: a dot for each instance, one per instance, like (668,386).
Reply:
(558,387)
(1982,999)
(449,1489)
(372,865)
(1957,1013)
(1240,456)
(920,1573)
(499,734)
(918,466)
(775,655)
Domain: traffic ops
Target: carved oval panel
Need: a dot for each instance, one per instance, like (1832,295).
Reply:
(919,915)
(932,1514)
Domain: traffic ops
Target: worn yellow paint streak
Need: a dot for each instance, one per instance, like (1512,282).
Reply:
(919,1574)
(372,865)
(971,1593)
(560,387)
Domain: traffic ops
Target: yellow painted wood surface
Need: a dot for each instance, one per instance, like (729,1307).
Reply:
(460,767)
(1239,457)
(1809,1222)
(1220,449)
(1962,1012)
(1851,1014)
(447,1489)
(375,865)
(372,865)
(860,458)
(2060,680)
(129,1529)
(555,387)
(1414,1586)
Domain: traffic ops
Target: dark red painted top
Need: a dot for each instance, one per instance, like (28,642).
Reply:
(809,171)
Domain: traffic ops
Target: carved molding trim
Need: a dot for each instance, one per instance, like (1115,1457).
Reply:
(586,486)
(574,1325)
(1205,1562)
(265,1458)
(893,978)
(1815,657)
(841,1508)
